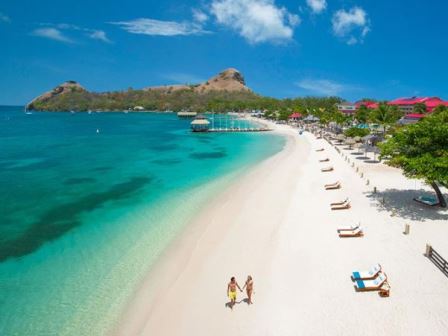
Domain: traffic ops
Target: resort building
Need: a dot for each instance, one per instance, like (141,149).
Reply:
(407,105)
(346,107)
(410,118)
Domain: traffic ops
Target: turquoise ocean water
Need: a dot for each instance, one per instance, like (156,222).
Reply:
(84,214)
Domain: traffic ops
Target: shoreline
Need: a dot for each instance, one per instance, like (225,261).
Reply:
(177,255)
(275,224)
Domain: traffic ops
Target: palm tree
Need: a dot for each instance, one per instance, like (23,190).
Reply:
(385,115)
(420,108)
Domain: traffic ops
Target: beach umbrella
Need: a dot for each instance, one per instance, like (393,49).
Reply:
(350,142)
(340,137)
(357,138)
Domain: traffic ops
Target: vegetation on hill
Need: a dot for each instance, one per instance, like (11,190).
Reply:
(177,100)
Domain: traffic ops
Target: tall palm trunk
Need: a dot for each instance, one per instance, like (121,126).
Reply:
(439,194)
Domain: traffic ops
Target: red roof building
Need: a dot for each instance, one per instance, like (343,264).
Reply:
(407,104)
(295,116)
(367,103)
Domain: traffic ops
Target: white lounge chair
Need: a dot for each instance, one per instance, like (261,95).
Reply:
(358,232)
(341,202)
(371,285)
(327,169)
(348,228)
(331,186)
(367,275)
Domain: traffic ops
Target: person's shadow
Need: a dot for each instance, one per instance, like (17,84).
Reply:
(229,304)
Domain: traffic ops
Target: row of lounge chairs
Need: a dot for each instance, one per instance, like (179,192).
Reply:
(373,279)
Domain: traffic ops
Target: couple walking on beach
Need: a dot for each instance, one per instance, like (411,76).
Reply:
(233,285)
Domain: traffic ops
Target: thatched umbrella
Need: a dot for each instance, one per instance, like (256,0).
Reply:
(340,137)
(350,142)
(357,138)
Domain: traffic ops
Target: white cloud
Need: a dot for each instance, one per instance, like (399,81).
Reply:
(163,28)
(323,87)
(4,18)
(199,16)
(53,34)
(99,35)
(317,6)
(352,25)
(50,29)
(256,20)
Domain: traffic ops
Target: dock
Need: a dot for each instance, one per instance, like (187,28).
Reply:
(225,124)
(238,130)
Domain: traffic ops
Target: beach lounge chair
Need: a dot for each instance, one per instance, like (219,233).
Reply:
(351,234)
(320,150)
(341,206)
(324,160)
(331,186)
(348,228)
(366,275)
(371,285)
(327,169)
(341,202)
(426,200)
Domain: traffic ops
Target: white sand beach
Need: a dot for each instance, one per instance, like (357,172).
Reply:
(276,224)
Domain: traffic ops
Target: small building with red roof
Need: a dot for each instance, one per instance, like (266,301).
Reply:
(347,107)
(367,103)
(296,116)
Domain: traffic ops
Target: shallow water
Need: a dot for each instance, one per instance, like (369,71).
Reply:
(85,213)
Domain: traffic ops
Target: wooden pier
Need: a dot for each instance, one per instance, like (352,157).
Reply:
(227,123)
(238,130)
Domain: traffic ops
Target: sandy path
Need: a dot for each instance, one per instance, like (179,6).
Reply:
(276,225)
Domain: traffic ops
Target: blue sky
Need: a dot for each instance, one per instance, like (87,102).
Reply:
(350,48)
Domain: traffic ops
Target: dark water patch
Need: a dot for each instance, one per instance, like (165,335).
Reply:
(208,155)
(205,139)
(79,180)
(166,162)
(165,147)
(63,218)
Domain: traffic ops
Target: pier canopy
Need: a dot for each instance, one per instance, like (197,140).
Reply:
(200,124)
(186,114)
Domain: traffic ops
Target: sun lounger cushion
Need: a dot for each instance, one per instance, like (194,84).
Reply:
(427,200)
(361,284)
